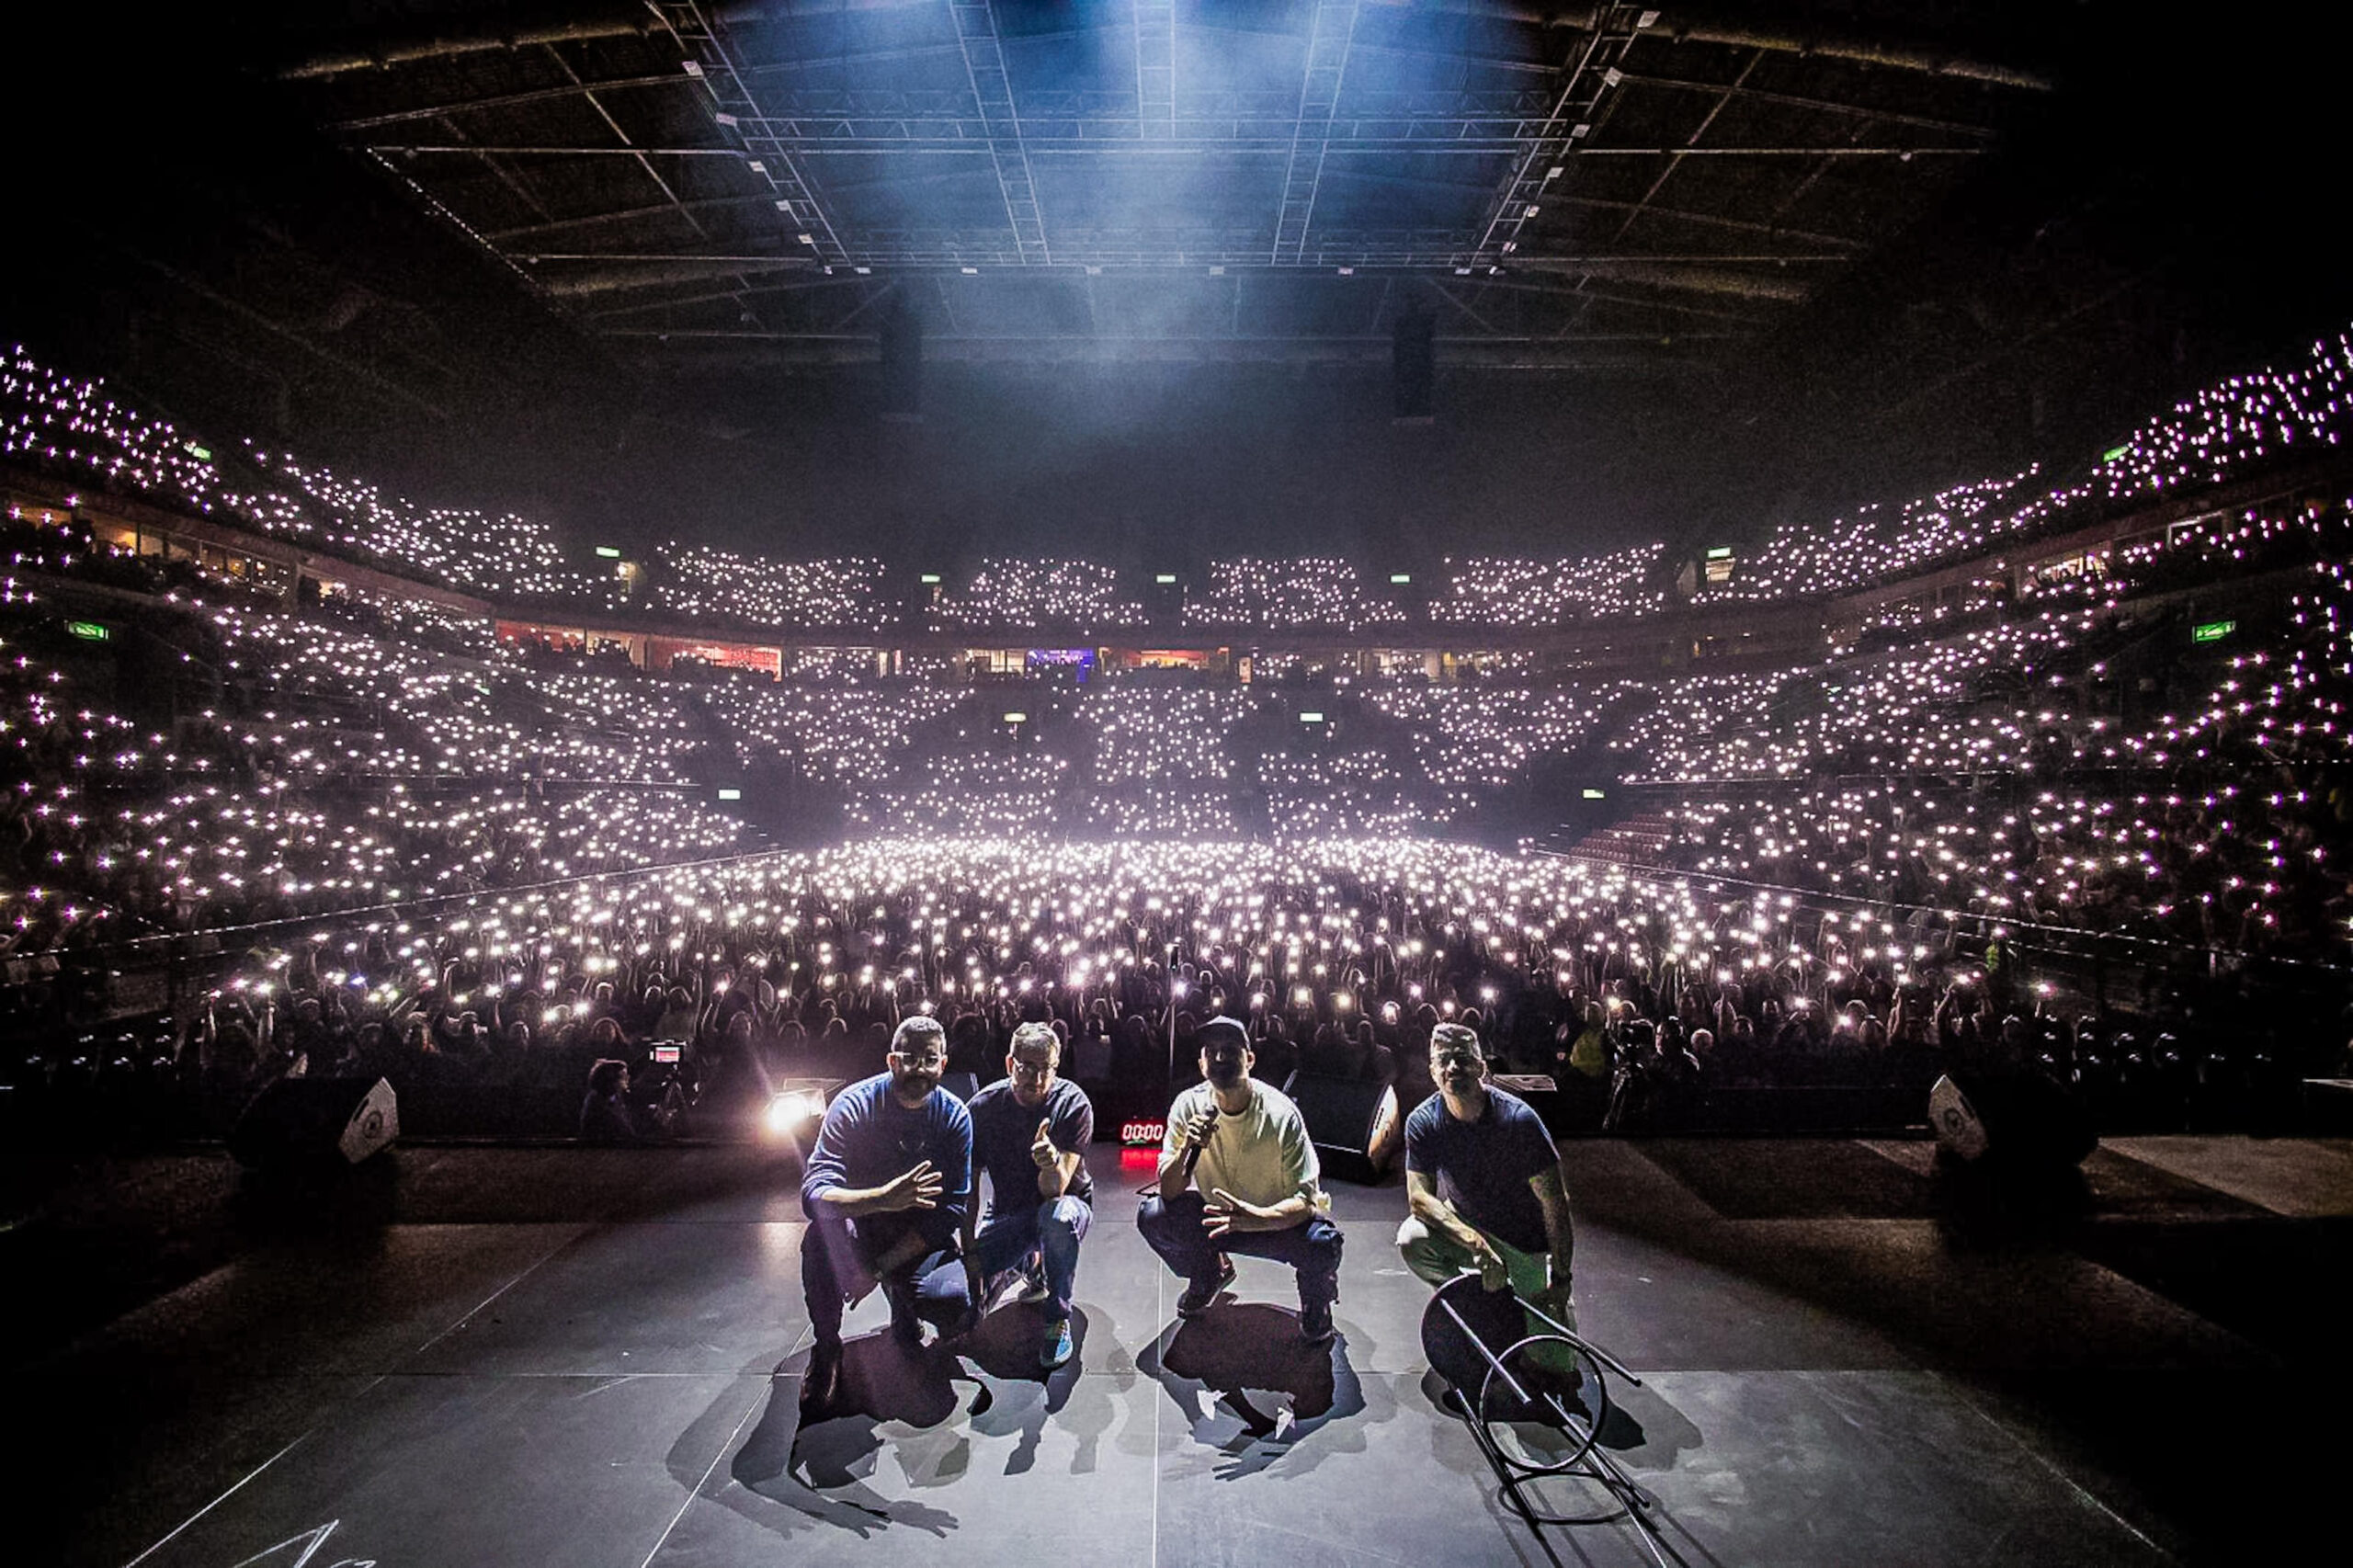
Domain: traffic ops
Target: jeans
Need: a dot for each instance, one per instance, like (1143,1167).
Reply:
(1052,1227)
(1172,1227)
(837,1252)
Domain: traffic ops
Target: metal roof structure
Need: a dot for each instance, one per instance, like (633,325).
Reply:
(695,182)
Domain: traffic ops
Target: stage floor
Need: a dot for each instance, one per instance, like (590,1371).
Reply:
(594,1357)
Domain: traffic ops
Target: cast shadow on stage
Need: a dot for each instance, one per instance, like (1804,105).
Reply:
(824,1465)
(1651,1445)
(1250,1363)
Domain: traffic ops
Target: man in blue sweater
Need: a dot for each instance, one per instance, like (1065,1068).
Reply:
(885,1190)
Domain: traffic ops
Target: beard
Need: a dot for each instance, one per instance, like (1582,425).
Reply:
(1225,1075)
(912,1088)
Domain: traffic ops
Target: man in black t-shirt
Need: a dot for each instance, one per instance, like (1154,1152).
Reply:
(1483,1184)
(1030,1134)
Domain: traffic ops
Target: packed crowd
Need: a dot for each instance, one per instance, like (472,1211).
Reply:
(1507,591)
(2217,434)
(502,868)
(70,426)
(1336,792)
(1472,740)
(327,768)
(1316,593)
(1011,594)
(1160,760)
(836,729)
(698,579)
(472,550)
(2209,822)
(49,418)
(327,734)
(1646,994)
(968,784)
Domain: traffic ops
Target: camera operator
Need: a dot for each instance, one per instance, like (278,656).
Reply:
(1634,1087)
(610,1114)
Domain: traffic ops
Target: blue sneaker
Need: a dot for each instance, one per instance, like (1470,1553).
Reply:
(1057,1348)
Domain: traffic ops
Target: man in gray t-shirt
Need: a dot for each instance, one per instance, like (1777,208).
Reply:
(1238,1173)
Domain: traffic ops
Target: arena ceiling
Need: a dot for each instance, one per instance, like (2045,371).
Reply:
(700,182)
(1802,255)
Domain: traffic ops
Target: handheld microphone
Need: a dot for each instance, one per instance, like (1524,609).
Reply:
(1193,1149)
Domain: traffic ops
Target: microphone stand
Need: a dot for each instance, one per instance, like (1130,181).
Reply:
(1446,1331)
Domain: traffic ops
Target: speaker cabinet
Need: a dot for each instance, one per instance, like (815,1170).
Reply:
(1339,1113)
(316,1121)
(2021,1120)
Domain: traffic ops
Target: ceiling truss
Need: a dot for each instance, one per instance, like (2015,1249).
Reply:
(1613,184)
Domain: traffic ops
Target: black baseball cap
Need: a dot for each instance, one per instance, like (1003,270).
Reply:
(1208,1033)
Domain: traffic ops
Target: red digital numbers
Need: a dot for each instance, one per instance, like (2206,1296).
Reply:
(1133,1132)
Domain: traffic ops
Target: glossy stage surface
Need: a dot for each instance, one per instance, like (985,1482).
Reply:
(593,1358)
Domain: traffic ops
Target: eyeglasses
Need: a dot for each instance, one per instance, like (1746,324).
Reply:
(930,1059)
(1029,1073)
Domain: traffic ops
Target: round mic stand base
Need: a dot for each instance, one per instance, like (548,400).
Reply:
(1497,1373)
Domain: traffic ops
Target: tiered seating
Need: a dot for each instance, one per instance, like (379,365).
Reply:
(1642,840)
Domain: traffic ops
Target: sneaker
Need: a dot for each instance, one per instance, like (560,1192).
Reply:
(1315,1323)
(1033,1285)
(820,1385)
(906,1327)
(1057,1348)
(1201,1292)
(1014,1285)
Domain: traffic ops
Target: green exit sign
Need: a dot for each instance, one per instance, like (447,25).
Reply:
(607,552)
(1165,578)
(1401,577)
(2114,454)
(1720,552)
(1311,717)
(2212,630)
(1592,794)
(88,630)
(931,579)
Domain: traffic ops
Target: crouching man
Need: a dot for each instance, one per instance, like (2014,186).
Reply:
(1483,1185)
(1030,1133)
(1238,1173)
(886,1189)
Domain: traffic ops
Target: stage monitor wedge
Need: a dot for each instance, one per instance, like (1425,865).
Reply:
(316,1121)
